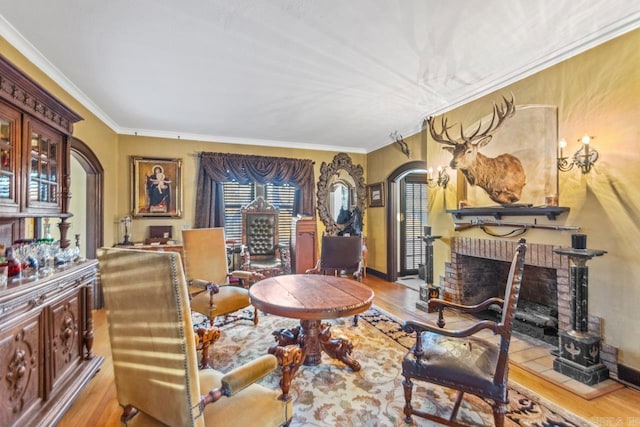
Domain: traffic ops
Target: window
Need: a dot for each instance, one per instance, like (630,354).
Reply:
(235,197)
(282,196)
(238,195)
(413,205)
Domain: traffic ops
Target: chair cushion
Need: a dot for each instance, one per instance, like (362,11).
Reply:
(228,300)
(258,264)
(454,361)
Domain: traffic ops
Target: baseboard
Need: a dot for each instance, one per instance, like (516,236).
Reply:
(629,376)
(377,273)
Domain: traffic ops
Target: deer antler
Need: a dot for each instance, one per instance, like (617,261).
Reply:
(500,113)
(438,136)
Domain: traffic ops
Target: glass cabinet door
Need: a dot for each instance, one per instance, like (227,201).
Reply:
(45,151)
(9,138)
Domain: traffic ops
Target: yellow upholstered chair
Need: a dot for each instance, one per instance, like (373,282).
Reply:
(459,360)
(206,265)
(154,352)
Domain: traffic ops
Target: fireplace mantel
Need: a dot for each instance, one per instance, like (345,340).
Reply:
(497,212)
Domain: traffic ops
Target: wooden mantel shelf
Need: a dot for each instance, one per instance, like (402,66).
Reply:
(498,212)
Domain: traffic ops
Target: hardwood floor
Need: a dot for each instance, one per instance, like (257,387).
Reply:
(97,404)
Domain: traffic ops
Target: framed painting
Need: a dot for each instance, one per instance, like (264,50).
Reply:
(376,194)
(530,135)
(157,187)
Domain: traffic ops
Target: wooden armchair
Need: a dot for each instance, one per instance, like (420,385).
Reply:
(458,360)
(262,251)
(154,352)
(207,270)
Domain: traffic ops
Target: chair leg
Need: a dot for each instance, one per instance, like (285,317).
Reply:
(355,320)
(255,316)
(408,389)
(499,410)
(454,412)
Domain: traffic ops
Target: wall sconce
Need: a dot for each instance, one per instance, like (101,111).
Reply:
(441,181)
(584,158)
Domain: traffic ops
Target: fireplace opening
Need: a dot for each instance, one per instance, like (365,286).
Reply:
(537,311)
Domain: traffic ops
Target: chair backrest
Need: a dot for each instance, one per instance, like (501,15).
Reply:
(341,253)
(512,293)
(152,340)
(205,254)
(260,227)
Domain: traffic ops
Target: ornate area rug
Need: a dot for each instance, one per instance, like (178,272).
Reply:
(330,394)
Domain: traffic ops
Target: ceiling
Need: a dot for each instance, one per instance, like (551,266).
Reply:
(316,74)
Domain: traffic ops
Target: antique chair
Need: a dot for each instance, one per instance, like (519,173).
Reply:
(458,360)
(340,256)
(262,251)
(206,265)
(154,352)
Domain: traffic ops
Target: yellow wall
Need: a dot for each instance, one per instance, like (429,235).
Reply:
(188,151)
(597,92)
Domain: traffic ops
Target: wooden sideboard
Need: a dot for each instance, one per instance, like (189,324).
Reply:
(304,244)
(46,338)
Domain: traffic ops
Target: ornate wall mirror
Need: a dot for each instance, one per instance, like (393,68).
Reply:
(341,192)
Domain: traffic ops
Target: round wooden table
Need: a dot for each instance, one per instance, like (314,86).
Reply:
(312,298)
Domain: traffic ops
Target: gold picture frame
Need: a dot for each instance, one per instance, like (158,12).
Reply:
(156,187)
(375,194)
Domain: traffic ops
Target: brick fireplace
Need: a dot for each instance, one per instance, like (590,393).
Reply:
(477,264)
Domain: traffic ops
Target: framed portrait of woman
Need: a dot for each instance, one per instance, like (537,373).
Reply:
(157,187)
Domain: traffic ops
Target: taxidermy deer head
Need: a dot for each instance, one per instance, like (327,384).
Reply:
(502,177)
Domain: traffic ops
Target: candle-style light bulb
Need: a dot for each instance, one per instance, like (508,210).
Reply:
(429,173)
(585,141)
(563,145)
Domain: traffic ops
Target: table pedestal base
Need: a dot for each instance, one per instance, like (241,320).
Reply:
(314,337)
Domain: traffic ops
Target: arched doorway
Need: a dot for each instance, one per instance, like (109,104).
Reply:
(93,197)
(393,211)
(89,213)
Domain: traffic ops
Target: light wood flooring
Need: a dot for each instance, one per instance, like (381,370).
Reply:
(97,404)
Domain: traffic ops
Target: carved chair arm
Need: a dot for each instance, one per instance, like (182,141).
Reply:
(240,378)
(439,305)
(314,270)
(205,337)
(284,254)
(411,326)
(205,285)
(290,358)
(247,278)
(210,287)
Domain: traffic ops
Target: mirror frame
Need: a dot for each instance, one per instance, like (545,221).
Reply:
(341,161)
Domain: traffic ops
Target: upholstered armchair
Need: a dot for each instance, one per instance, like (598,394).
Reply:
(261,249)
(154,352)
(460,360)
(339,256)
(206,265)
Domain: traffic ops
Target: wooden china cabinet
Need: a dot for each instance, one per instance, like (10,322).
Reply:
(46,326)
